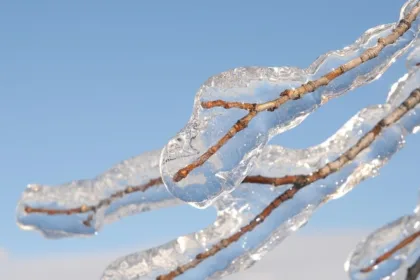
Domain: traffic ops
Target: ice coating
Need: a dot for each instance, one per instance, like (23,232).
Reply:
(230,164)
(237,208)
(137,171)
(381,241)
(247,199)
(385,238)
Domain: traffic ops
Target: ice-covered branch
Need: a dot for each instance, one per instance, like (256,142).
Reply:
(263,192)
(301,182)
(246,228)
(210,156)
(403,243)
(94,208)
(386,252)
(82,207)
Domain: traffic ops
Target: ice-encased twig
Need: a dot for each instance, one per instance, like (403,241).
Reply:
(240,207)
(82,207)
(379,255)
(208,156)
(89,199)
(107,195)
(386,252)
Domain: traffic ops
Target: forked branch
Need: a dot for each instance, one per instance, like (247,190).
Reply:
(253,109)
(293,94)
(301,181)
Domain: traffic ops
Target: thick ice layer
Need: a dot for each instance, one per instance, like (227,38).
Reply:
(385,238)
(239,207)
(133,172)
(235,209)
(223,170)
(227,167)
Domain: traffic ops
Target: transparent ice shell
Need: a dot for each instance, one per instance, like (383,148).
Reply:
(226,169)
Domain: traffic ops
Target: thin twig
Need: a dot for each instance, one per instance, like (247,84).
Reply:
(94,208)
(405,242)
(140,188)
(254,109)
(301,181)
(290,179)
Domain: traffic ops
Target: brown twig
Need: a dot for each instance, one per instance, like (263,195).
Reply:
(406,241)
(141,188)
(291,179)
(301,181)
(94,208)
(254,109)
(228,105)
(296,180)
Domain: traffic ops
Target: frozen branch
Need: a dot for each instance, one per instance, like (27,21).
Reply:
(141,188)
(209,156)
(405,242)
(94,208)
(246,228)
(302,181)
(279,188)
(81,207)
(294,94)
(388,251)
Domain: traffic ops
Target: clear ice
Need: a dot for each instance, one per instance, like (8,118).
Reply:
(239,207)
(381,241)
(227,168)
(385,238)
(132,172)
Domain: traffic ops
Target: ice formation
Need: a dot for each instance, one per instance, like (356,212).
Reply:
(225,169)
(237,208)
(385,238)
(85,205)
(379,242)
(134,172)
(89,198)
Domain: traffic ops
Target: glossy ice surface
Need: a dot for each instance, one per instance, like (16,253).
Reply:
(237,204)
(224,170)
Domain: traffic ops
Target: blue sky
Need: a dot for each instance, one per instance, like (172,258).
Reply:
(84,85)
